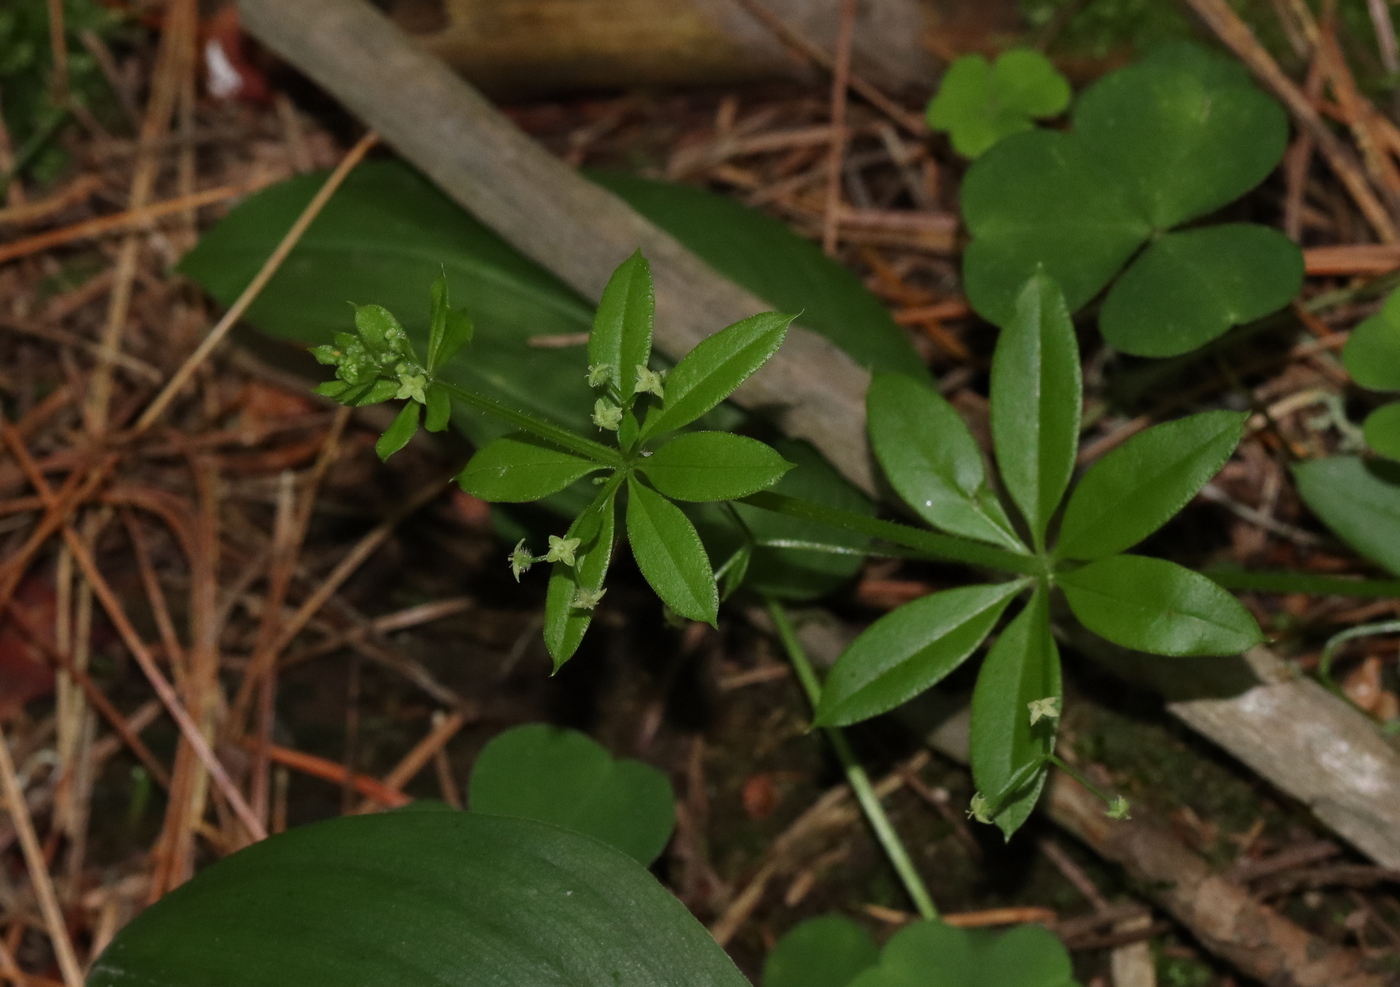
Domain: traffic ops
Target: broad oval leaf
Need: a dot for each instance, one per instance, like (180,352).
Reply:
(934,954)
(1159,607)
(1022,667)
(565,620)
(1138,487)
(1190,287)
(908,650)
(419,899)
(622,326)
(1036,402)
(700,466)
(1187,130)
(932,460)
(1041,201)
(558,776)
(1372,352)
(670,555)
(518,468)
(1359,501)
(828,951)
(1382,430)
(714,368)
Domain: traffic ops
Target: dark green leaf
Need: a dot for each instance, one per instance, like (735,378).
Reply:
(1022,667)
(519,468)
(1188,288)
(419,899)
(713,466)
(1036,402)
(730,576)
(439,409)
(979,104)
(332,388)
(1359,501)
(1372,353)
(670,555)
(1138,487)
(564,621)
(932,461)
(376,393)
(622,327)
(1185,129)
(563,777)
(709,373)
(398,434)
(932,954)
(448,329)
(1382,430)
(1158,606)
(821,952)
(786,270)
(1040,201)
(379,329)
(908,650)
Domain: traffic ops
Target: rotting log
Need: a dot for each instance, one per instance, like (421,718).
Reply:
(813,391)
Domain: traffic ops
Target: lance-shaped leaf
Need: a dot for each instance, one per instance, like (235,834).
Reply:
(700,466)
(1158,606)
(908,650)
(519,468)
(400,431)
(621,336)
(1358,500)
(1022,667)
(1036,402)
(709,373)
(1138,487)
(449,329)
(670,555)
(932,460)
(574,591)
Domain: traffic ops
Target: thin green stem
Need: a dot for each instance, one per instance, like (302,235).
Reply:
(855,774)
(1335,642)
(549,431)
(1302,582)
(944,548)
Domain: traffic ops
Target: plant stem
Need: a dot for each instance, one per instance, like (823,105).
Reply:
(549,431)
(1302,582)
(1329,650)
(855,774)
(944,548)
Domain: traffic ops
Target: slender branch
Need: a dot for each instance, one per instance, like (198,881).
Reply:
(549,431)
(945,548)
(855,774)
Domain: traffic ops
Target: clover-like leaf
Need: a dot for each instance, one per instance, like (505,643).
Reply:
(575,590)
(1158,606)
(1382,430)
(934,954)
(563,777)
(669,553)
(979,103)
(519,468)
(700,466)
(1359,501)
(828,951)
(1372,352)
(622,327)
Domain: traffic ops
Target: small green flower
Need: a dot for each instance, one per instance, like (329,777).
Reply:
(607,415)
(1044,709)
(1118,808)
(562,549)
(649,381)
(588,599)
(520,560)
(979,809)
(601,374)
(411,386)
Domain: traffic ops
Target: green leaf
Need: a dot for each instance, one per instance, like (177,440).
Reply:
(518,468)
(1036,401)
(564,622)
(411,899)
(670,555)
(713,466)
(1023,666)
(908,650)
(932,954)
(713,369)
(439,408)
(380,330)
(448,329)
(786,270)
(1188,288)
(1372,353)
(979,104)
(1040,201)
(1158,606)
(563,777)
(1187,131)
(1359,501)
(622,327)
(1382,430)
(932,460)
(1138,487)
(400,431)
(828,951)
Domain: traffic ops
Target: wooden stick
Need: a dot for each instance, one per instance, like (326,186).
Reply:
(38,868)
(837,150)
(424,751)
(77,191)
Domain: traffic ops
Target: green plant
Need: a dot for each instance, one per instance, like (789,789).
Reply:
(980,103)
(1372,357)
(1156,145)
